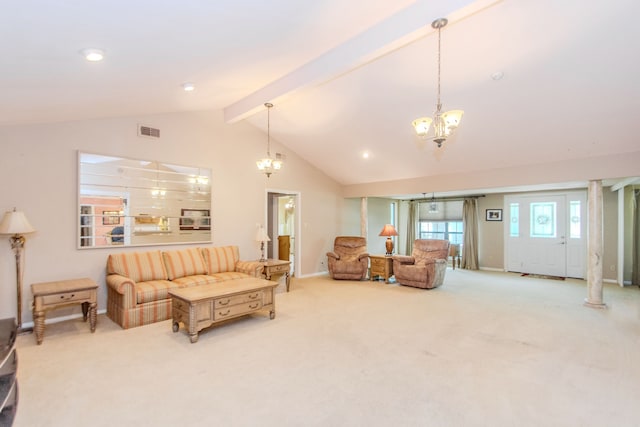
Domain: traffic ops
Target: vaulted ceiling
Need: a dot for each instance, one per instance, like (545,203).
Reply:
(346,77)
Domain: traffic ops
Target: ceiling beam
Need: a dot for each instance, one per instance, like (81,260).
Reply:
(398,30)
(623,183)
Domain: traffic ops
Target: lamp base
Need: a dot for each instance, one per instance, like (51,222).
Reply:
(389,246)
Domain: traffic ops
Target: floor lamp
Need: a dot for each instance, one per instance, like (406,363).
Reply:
(16,223)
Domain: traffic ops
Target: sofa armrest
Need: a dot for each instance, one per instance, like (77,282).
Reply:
(404,259)
(363,256)
(252,268)
(125,287)
(333,255)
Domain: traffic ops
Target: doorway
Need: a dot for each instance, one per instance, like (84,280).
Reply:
(546,234)
(283,220)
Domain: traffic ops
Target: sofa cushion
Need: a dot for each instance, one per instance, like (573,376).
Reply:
(196,280)
(153,290)
(184,262)
(221,259)
(138,266)
(230,275)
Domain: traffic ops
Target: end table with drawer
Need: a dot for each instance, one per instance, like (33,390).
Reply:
(51,295)
(277,267)
(382,266)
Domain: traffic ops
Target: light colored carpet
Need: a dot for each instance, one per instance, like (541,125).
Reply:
(485,349)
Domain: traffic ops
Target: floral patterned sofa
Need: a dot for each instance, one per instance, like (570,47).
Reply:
(138,283)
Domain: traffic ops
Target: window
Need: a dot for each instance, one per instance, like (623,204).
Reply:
(543,220)
(574,215)
(447,230)
(442,221)
(514,220)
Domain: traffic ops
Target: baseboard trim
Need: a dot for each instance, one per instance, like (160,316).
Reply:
(501,270)
(316,274)
(61,318)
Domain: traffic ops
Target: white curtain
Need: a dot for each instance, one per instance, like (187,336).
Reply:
(470,234)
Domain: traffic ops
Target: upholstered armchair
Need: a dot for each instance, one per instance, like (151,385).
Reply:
(425,267)
(349,259)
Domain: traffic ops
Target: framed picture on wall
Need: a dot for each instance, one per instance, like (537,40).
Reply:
(195,219)
(494,215)
(110,218)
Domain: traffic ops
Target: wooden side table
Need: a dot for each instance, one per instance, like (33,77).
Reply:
(51,295)
(381,265)
(277,267)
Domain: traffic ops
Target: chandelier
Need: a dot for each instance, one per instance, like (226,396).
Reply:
(444,124)
(269,165)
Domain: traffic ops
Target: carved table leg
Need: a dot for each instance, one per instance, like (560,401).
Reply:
(38,326)
(193,324)
(272,314)
(288,279)
(85,310)
(93,315)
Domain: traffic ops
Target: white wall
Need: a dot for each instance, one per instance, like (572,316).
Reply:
(38,170)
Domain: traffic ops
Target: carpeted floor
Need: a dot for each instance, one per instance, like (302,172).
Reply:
(485,349)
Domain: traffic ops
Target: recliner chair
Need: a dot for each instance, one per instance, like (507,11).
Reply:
(425,267)
(349,259)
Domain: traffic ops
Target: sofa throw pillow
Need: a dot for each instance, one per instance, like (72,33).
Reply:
(185,262)
(138,266)
(221,259)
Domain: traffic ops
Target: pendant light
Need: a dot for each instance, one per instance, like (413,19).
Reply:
(269,165)
(444,124)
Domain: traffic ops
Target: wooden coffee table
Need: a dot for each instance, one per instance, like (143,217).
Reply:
(199,307)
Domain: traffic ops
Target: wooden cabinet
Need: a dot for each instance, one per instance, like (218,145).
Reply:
(8,371)
(284,247)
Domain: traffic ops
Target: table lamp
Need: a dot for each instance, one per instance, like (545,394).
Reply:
(262,236)
(16,223)
(389,230)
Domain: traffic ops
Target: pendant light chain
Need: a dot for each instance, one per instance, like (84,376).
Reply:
(439,50)
(268,128)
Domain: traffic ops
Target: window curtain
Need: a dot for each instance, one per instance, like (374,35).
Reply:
(411,226)
(470,234)
(635,263)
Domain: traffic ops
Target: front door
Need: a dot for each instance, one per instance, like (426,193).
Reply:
(546,235)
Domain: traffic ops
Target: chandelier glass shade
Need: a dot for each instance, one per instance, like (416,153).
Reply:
(444,123)
(268,164)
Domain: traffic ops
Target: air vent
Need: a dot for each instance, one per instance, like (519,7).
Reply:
(148,131)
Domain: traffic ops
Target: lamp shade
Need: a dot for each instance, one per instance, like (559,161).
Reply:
(422,125)
(388,230)
(15,222)
(262,236)
(452,118)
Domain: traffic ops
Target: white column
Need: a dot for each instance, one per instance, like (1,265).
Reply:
(594,246)
(364,218)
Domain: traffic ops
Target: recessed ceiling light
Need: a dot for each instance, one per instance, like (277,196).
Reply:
(365,155)
(188,87)
(498,75)
(93,55)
